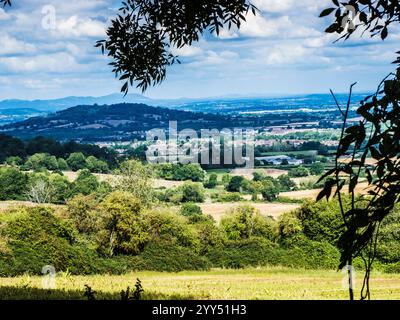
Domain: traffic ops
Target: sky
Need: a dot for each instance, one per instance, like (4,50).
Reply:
(47,51)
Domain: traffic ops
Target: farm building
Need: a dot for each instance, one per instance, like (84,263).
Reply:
(279,160)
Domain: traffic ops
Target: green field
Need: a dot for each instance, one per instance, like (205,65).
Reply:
(289,153)
(256,283)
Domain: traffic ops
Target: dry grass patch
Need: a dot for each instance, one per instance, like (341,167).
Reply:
(218,210)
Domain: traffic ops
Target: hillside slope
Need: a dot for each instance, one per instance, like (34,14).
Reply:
(113,122)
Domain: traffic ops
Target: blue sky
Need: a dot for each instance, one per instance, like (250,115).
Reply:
(282,51)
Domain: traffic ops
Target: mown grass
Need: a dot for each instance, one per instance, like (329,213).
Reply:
(255,283)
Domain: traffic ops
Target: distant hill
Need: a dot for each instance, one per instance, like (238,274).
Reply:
(112,122)
(68,102)
(18,110)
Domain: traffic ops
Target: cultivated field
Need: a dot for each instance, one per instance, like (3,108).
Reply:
(248,173)
(361,188)
(218,210)
(261,283)
(158,183)
(6,205)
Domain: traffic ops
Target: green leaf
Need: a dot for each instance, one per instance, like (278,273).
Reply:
(326,12)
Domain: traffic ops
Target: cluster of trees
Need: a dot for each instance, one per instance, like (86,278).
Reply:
(46,187)
(53,187)
(180,172)
(283,146)
(17,151)
(43,161)
(267,186)
(188,192)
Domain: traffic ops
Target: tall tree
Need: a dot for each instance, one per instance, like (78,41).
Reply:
(377,136)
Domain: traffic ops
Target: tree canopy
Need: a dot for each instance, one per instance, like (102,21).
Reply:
(141,38)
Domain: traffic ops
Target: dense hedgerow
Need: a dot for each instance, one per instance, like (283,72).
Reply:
(118,234)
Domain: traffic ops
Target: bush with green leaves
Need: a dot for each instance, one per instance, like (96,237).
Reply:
(13,161)
(227,197)
(76,161)
(388,249)
(166,224)
(84,212)
(37,237)
(86,183)
(299,172)
(62,164)
(136,178)
(321,221)
(179,172)
(211,182)
(187,192)
(317,168)
(235,184)
(286,183)
(245,222)
(13,184)
(190,209)
(45,187)
(123,227)
(269,190)
(95,165)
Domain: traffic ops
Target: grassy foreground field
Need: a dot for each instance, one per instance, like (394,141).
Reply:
(260,283)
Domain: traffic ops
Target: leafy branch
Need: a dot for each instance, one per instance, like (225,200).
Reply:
(140,38)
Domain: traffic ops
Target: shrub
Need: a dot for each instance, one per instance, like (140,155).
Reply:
(13,161)
(13,184)
(179,172)
(60,188)
(166,255)
(269,190)
(211,182)
(123,226)
(136,178)
(321,221)
(76,161)
(84,213)
(86,183)
(95,165)
(245,222)
(286,183)
(62,164)
(388,250)
(317,168)
(40,161)
(190,209)
(235,184)
(209,235)
(168,225)
(36,237)
(299,172)
(256,252)
(289,226)
(188,192)
(228,197)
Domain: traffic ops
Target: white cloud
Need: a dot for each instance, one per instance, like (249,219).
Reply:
(187,51)
(76,27)
(58,62)
(213,58)
(10,45)
(3,15)
(285,6)
(283,54)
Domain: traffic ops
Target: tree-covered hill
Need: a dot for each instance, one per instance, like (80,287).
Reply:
(113,122)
